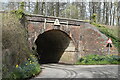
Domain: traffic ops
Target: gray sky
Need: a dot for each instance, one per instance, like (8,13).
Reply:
(61,0)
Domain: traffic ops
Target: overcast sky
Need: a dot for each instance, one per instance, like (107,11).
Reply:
(60,0)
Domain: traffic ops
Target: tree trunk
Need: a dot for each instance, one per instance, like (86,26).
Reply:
(103,12)
(99,13)
(111,14)
(118,14)
(52,9)
(114,16)
(36,10)
(107,15)
(57,9)
(90,10)
(42,10)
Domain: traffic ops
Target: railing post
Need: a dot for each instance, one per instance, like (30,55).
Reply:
(45,24)
(44,27)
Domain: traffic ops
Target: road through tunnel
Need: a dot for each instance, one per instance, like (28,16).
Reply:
(51,45)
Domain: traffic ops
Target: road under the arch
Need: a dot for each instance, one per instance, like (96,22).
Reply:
(51,45)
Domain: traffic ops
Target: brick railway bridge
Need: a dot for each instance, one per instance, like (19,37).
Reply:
(63,40)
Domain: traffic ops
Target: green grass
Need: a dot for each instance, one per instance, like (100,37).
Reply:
(111,33)
(25,70)
(94,59)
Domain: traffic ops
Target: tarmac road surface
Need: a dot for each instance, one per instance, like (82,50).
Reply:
(78,71)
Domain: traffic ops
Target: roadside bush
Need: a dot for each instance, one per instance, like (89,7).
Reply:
(25,70)
(99,59)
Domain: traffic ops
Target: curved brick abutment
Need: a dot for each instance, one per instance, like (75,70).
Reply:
(55,46)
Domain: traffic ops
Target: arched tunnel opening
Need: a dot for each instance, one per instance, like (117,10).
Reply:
(51,45)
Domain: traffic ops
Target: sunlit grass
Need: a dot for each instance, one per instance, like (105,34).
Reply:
(95,59)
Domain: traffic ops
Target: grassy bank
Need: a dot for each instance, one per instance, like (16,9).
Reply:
(95,59)
(18,60)
(111,33)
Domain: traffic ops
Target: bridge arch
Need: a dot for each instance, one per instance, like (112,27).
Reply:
(55,46)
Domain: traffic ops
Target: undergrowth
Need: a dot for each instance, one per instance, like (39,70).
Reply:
(17,61)
(25,70)
(94,59)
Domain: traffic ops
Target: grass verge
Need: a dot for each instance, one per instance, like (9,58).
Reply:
(94,59)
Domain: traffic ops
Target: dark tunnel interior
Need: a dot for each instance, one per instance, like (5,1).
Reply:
(51,45)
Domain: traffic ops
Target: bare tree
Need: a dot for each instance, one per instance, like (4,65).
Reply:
(118,14)
(57,9)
